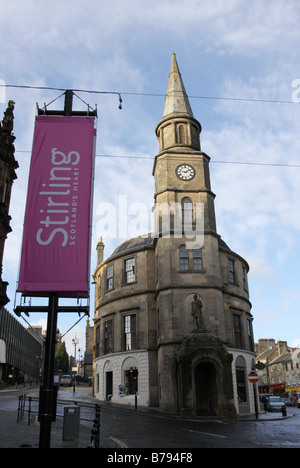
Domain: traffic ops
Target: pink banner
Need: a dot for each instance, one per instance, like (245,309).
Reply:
(57,227)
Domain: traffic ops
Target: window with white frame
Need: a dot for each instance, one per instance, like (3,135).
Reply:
(129,332)
(109,278)
(231,271)
(183,258)
(197,259)
(108,337)
(130,276)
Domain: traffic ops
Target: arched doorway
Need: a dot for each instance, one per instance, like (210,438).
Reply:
(242,385)
(206,389)
(203,377)
(108,379)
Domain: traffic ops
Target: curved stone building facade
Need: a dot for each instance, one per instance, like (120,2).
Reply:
(173,320)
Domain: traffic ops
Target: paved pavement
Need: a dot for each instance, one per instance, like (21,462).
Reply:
(15,434)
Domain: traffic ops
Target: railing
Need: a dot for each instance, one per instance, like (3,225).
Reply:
(28,410)
(95,437)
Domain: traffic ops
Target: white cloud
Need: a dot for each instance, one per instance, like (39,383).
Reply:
(261,270)
(68,27)
(259,204)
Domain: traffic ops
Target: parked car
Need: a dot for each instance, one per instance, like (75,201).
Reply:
(298,399)
(287,402)
(66,380)
(275,403)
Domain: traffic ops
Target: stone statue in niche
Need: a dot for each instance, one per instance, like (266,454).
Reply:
(197,308)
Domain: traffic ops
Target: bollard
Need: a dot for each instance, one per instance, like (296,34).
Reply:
(19,407)
(29,411)
(283,411)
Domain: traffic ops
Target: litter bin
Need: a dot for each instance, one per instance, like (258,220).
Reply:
(71,422)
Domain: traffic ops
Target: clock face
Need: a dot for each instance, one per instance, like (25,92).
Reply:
(185,172)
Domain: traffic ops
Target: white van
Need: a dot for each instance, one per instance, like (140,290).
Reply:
(66,380)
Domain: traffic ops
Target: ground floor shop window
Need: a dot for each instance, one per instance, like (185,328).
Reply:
(241,386)
(131,381)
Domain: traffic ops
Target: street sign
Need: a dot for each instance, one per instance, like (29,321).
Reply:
(253,377)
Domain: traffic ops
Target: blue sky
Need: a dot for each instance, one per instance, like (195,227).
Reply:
(224,49)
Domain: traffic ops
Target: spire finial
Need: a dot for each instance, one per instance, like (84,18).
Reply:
(177,101)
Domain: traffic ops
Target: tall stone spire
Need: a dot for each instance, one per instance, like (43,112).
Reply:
(177,101)
(178,135)
(178,127)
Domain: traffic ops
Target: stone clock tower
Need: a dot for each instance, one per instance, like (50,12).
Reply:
(172,309)
(181,168)
(189,269)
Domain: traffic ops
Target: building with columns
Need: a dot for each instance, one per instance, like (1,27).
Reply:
(173,318)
